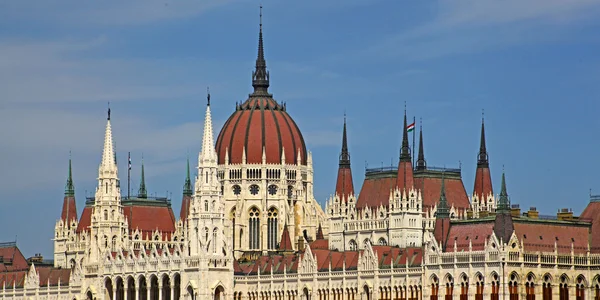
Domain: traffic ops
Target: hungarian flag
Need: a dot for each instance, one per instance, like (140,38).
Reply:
(410,127)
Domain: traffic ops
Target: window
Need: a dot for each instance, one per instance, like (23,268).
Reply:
(382,242)
(435,287)
(254,189)
(272,189)
(353,245)
(547,288)
(214,241)
(254,227)
(237,190)
(205,205)
(272,228)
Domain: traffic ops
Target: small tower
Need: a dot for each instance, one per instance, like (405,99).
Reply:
(69,210)
(187,194)
(344,187)
(108,221)
(421,163)
(503,225)
(483,195)
(67,224)
(405,181)
(442,217)
(142,192)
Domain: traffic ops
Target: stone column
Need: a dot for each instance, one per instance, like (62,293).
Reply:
(137,293)
(125,289)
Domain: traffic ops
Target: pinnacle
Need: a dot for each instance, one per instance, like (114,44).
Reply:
(69,188)
(405,150)
(345,155)
(187,186)
(260,77)
(208,148)
(482,158)
(108,154)
(442,210)
(503,202)
(142,193)
(421,163)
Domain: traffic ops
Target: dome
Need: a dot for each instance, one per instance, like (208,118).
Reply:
(261,123)
(257,124)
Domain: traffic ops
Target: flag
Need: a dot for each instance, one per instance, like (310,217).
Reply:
(410,127)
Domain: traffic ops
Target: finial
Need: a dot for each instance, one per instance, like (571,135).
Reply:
(405,150)
(108,111)
(260,17)
(482,115)
(208,96)
(69,188)
(482,157)
(260,76)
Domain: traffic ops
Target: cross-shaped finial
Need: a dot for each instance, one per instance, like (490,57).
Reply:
(208,96)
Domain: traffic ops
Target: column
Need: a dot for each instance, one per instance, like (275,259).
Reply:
(125,289)
(137,292)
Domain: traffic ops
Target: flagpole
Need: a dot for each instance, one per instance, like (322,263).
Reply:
(128,174)
(413,144)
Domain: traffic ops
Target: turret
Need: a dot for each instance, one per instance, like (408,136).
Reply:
(405,179)
(142,192)
(421,163)
(482,198)
(344,186)
(503,225)
(69,210)
(442,217)
(187,194)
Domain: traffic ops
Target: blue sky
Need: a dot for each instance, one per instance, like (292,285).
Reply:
(532,65)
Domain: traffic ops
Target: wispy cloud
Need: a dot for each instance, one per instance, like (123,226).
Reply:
(106,13)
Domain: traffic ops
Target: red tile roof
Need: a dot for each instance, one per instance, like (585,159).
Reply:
(11,258)
(257,124)
(376,191)
(405,179)
(52,276)
(146,218)
(344,186)
(286,242)
(12,279)
(475,232)
(69,210)
(592,213)
(185,207)
(483,182)
(541,236)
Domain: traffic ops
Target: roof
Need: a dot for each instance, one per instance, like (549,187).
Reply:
(592,212)
(257,124)
(379,183)
(147,215)
(387,256)
(11,258)
(541,235)
(483,182)
(69,210)
(14,268)
(473,231)
(344,186)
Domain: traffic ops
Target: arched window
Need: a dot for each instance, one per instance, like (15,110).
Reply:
(114,243)
(214,240)
(254,227)
(237,190)
(564,288)
(513,288)
(530,287)
(382,242)
(205,205)
(232,217)
(449,287)
(547,288)
(480,285)
(495,287)
(464,287)
(272,228)
(353,245)
(290,191)
(597,289)
(580,288)
(105,215)
(254,189)
(435,288)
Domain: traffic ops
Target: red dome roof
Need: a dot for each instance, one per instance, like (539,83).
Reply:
(259,123)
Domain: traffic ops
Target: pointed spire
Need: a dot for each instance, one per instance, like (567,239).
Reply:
(405,150)
(69,188)
(142,193)
(421,163)
(108,154)
(320,233)
(482,158)
(442,210)
(345,155)
(187,186)
(260,76)
(503,201)
(208,146)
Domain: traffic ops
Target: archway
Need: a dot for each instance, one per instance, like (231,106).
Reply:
(547,288)
(154,287)
(166,287)
(219,293)
(190,292)
(108,289)
(306,294)
(120,293)
(89,296)
(130,288)
(563,288)
(177,287)
(530,287)
(143,288)
(435,288)
(366,293)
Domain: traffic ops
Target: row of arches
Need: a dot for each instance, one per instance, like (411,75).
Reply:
(531,285)
(152,288)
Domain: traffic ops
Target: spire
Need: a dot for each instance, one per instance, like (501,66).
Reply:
(405,150)
(260,76)
(320,233)
(442,210)
(421,163)
(344,156)
(108,154)
(208,146)
(69,188)
(503,201)
(482,158)
(142,193)
(187,186)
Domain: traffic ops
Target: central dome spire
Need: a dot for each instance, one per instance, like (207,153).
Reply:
(260,76)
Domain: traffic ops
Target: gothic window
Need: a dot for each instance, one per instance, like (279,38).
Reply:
(580,288)
(254,189)
(513,288)
(480,285)
(272,189)
(353,246)
(547,288)
(365,242)
(290,191)
(232,217)
(449,287)
(114,243)
(382,242)
(254,227)
(272,228)
(597,289)
(206,233)
(237,190)
(214,241)
(464,287)
(435,287)
(564,288)
(530,288)
(106,215)
(495,287)
(205,205)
